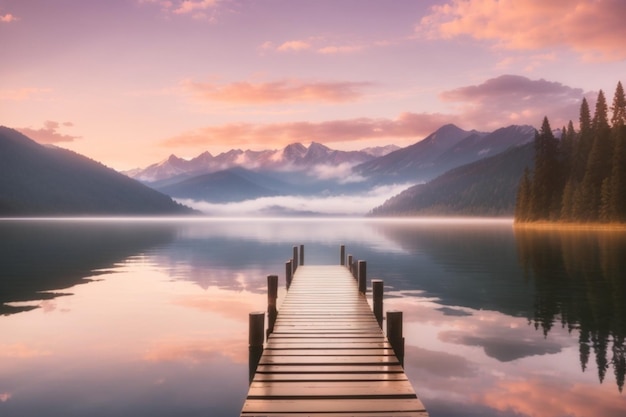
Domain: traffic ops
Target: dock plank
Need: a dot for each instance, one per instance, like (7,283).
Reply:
(327,355)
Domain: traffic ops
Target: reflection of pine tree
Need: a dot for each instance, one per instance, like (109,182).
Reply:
(580,279)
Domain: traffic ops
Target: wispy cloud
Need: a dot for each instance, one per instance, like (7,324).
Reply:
(197,9)
(594,29)
(24,93)
(406,125)
(49,133)
(283,91)
(321,45)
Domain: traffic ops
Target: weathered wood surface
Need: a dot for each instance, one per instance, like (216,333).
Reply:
(328,356)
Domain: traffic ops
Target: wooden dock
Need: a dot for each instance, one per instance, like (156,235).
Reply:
(327,355)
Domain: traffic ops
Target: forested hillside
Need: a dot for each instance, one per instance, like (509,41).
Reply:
(581,176)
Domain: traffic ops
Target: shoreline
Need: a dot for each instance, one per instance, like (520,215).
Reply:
(545,225)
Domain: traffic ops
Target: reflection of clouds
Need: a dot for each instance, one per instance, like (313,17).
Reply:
(441,364)
(199,351)
(232,306)
(19,350)
(501,343)
(5,396)
(553,397)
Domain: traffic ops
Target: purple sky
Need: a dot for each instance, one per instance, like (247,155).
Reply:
(128,82)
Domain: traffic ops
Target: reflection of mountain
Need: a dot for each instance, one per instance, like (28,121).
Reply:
(581,283)
(38,256)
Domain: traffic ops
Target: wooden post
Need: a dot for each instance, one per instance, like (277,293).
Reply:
(342,255)
(362,277)
(377,300)
(272,295)
(350,263)
(301,254)
(256,325)
(394,334)
(295,258)
(288,273)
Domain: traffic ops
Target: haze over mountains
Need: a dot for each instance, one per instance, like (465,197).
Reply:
(295,180)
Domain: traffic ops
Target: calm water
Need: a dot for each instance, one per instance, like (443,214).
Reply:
(149,318)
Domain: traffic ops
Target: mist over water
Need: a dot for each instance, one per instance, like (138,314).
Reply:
(148,317)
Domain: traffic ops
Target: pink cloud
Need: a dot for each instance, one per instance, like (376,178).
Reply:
(49,133)
(293,46)
(513,99)
(191,6)
(285,91)
(594,29)
(195,8)
(345,49)
(8,18)
(407,125)
(198,351)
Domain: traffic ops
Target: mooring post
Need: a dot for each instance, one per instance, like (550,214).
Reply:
(349,265)
(256,325)
(301,254)
(272,295)
(288,273)
(394,334)
(295,258)
(362,277)
(342,255)
(377,297)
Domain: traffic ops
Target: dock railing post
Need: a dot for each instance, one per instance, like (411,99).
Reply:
(301,254)
(272,295)
(362,277)
(295,258)
(288,273)
(377,300)
(349,266)
(256,325)
(342,255)
(394,334)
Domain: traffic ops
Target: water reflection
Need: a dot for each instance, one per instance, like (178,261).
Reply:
(160,328)
(39,258)
(581,284)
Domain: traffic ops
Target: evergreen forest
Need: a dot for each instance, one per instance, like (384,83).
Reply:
(579,175)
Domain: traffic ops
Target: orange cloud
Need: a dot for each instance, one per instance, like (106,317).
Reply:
(541,397)
(286,91)
(594,29)
(49,133)
(407,125)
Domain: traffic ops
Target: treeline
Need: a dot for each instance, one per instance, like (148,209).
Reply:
(581,176)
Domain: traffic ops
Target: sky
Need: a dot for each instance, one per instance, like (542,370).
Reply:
(129,82)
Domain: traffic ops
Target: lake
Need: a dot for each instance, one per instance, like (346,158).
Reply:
(149,317)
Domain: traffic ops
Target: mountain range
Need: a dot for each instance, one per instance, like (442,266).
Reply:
(447,172)
(318,170)
(37,180)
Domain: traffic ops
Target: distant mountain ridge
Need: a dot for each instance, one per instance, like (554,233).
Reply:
(37,180)
(445,149)
(293,157)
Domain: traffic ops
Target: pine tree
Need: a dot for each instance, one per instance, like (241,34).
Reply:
(545,192)
(599,161)
(523,201)
(617,198)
